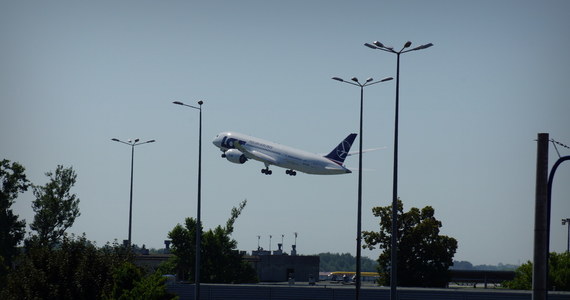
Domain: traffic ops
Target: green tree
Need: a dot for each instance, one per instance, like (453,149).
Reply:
(344,262)
(221,261)
(130,282)
(151,287)
(76,269)
(12,230)
(558,274)
(55,206)
(424,256)
(184,249)
(523,278)
(124,278)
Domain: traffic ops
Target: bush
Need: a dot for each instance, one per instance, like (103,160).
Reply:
(558,277)
(76,269)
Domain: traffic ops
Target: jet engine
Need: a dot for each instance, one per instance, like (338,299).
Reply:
(235,156)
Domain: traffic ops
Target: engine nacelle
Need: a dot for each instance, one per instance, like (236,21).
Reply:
(235,156)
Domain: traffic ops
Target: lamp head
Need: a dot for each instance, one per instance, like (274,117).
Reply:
(136,140)
(423,47)
(370,46)
(378,44)
(151,141)
(408,44)
(178,103)
(338,79)
(354,79)
(115,140)
(369,79)
(200,102)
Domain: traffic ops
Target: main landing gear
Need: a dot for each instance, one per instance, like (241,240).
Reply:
(291,172)
(266,171)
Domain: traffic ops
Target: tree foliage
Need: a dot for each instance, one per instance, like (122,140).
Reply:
(130,283)
(330,262)
(12,230)
(221,262)
(54,265)
(558,274)
(151,287)
(523,278)
(124,278)
(424,256)
(55,206)
(76,269)
(465,265)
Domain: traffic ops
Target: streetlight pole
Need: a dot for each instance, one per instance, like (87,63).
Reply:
(394,241)
(368,82)
(132,144)
(564,222)
(199,205)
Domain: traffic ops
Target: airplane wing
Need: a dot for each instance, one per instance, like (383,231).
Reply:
(364,151)
(245,149)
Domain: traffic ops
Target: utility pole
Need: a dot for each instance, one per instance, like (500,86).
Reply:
(541,218)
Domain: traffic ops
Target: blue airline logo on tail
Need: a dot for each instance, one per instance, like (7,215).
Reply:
(339,154)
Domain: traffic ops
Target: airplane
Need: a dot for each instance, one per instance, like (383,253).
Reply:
(239,148)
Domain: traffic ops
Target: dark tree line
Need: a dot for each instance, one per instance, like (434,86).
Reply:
(52,264)
(330,262)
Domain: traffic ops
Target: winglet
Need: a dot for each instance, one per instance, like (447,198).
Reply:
(339,153)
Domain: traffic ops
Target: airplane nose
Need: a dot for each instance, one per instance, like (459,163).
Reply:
(216,141)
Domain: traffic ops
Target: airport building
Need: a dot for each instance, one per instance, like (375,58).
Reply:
(270,266)
(278,266)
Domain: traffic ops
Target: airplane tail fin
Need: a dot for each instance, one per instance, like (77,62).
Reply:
(339,153)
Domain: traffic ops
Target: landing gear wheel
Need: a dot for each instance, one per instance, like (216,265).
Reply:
(291,172)
(266,171)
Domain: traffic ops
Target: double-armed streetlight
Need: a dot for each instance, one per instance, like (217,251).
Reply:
(355,82)
(199,205)
(394,253)
(132,144)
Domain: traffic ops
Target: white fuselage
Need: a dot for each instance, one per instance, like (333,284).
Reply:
(276,154)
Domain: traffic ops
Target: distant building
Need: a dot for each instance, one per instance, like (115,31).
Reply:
(270,267)
(281,267)
(151,262)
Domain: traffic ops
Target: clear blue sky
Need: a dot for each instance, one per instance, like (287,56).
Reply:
(76,74)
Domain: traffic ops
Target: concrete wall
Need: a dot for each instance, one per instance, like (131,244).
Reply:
(329,292)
